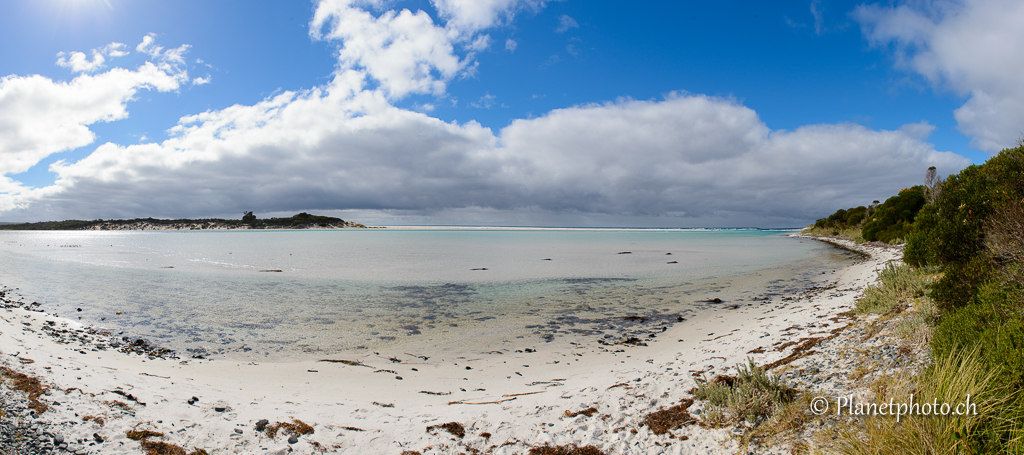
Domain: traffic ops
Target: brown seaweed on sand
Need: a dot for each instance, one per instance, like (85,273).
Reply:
(666,419)
(295,427)
(30,385)
(454,428)
(354,363)
(587,412)
(159,447)
(570,449)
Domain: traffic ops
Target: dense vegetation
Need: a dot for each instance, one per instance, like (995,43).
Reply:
(974,232)
(965,271)
(300,221)
(890,222)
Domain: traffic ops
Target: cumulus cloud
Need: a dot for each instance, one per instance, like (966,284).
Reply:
(468,16)
(148,45)
(940,40)
(343,147)
(404,51)
(511,45)
(40,116)
(697,156)
(80,63)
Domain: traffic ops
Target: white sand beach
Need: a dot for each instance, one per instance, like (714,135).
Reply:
(387,402)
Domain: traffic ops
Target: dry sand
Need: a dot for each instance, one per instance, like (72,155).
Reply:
(387,402)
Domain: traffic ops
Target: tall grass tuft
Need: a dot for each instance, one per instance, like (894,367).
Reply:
(993,424)
(900,284)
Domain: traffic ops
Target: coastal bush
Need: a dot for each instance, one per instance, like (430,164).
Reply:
(899,284)
(843,218)
(994,323)
(955,231)
(1005,233)
(783,427)
(917,327)
(753,394)
(894,219)
(960,282)
(852,233)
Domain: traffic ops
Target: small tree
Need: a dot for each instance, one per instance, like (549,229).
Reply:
(248,217)
(932,185)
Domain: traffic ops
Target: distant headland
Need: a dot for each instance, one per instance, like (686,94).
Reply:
(249,221)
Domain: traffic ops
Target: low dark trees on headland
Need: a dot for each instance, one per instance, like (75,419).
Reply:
(888,222)
(300,221)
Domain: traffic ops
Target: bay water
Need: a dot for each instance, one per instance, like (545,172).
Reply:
(293,294)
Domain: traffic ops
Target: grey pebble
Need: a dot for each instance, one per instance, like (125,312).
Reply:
(293,439)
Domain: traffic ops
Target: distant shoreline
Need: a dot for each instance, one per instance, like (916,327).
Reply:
(299,221)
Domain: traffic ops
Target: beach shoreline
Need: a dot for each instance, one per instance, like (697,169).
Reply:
(390,402)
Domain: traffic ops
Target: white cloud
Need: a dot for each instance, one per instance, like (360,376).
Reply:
(404,51)
(40,116)
(480,43)
(511,45)
(469,16)
(115,50)
(700,156)
(485,102)
(148,45)
(819,19)
(201,80)
(687,158)
(80,63)
(565,23)
(968,47)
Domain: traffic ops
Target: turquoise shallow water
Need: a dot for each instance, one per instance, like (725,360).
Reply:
(344,290)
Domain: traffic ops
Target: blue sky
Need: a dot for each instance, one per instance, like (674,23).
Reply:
(496,112)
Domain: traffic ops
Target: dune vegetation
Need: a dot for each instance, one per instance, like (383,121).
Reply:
(962,282)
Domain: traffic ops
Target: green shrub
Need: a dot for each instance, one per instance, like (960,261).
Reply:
(993,326)
(894,219)
(920,250)
(843,218)
(899,284)
(959,285)
(753,393)
(955,232)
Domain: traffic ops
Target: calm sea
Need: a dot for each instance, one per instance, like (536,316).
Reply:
(286,294)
